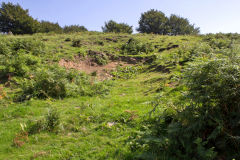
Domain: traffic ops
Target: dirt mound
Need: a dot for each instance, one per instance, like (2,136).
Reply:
(89,66)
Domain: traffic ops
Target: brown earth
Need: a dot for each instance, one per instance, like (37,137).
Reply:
(88,66)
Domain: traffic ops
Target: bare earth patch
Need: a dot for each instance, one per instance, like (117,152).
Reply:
(88,66)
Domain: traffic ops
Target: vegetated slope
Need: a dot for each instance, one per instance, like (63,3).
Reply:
(153,103)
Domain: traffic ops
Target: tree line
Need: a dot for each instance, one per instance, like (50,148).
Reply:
(15,19)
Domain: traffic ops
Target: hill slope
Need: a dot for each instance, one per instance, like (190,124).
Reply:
(49,110)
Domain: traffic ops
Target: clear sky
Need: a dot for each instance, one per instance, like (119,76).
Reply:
(210,15)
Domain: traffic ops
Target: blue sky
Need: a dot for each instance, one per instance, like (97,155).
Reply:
(210,15)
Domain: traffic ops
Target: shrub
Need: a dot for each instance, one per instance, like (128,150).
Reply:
(46,82)
(134,47)
(74,28)
(52,120)
(112,26)
(68,39)
(126,72)
(32,46)
(35,127)
(29,45)
(76,43)
(189,53)
(56,82)
(4,47)
(98,57)
(50,123)
(218,41)
(50,27)
(20,64)
(207,127)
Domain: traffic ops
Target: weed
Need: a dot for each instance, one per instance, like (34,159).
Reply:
(76,43)
(94,74)
(50,123)
(126,72)
(68,39)
(52,120)
(135,47)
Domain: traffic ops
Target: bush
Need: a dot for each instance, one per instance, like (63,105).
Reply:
(76,43)
(29,45)
(50,27)
(20,65)
(74,28)
(112,26)
(218,41)
(4,47)
(68,39)
(56,82)
(52,120)
(98,57)
(50,123)
(126,72)
(19,56)
(46,83)
(208,126)
(134,47)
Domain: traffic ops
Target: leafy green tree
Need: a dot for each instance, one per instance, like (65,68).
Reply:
(179,26)
(17,20)
(112,26)
(156,22)
(153,21)
(74,28)
(46,26)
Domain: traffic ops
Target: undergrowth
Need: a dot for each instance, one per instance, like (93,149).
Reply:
(180,99)
(205,125)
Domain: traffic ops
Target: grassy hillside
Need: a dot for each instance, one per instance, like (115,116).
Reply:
(115,96)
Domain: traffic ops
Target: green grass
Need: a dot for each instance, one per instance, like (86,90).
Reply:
(96,127)
(85,133)
(84,121)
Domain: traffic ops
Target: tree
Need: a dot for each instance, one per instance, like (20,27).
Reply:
(112,26)
(74,28)
(17,20)
(179,26)
(46,26)
(153,21)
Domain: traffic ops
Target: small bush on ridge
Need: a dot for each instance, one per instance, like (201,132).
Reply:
(134,47)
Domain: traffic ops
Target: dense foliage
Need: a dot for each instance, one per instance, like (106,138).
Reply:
(21,64)
(203,123)
(13,18)
(57,82)
(134,47)
(19,57)
(155,21)
(177,25)
(46,26)
(112,26)
(74,28)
